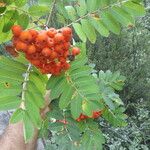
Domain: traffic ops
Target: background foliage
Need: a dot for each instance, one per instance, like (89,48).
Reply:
(130,54)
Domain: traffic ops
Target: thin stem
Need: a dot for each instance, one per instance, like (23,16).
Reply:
(24,87)
(50,13)
(66,128)
(96,11)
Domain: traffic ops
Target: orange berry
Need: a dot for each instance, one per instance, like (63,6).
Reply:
(16,30)
(66,45)
(35,56)
(31,49)
(20,46)
(33,33)
(42,38)
(25,36)
(46,52)
(53,55)
(58,64)
(75,51)
(81,117)
(68,38)
(78,119)
(59,38)
(66,31)
(51,32)
(96,114)
(50,42)
(66,54)
(62,59)
(59,48)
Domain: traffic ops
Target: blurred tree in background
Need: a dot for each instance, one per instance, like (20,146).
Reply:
(130,54)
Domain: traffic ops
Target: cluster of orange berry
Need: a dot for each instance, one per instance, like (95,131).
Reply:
(95,115)
(48,50)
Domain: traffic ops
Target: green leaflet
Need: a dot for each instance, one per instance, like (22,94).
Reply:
(10,17)
(37,10)
(9,68)
(92,5)
(45,2)
(80,71)
(35,78)
(12,63)
(60,18)
(20,3)
(9,92)
(61,9)
(9,102)
(33,88)
(78,63)
(66,96)
(71,13)
(108,100)
(122,16)
(23,20)
(58,89)
(79,31)
(99,26)
(114,80)
(103,3)
(81,8)
(11,75)
(95,142)
(28,127)
(53,81)
(37,98)
(17,116)
(110,22)
(33,110)
(76,107)
(116,119)
(88,30)
(9,85)
(134,8)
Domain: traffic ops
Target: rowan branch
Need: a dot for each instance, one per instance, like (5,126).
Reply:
(50,13)
(97,11)
(24,87)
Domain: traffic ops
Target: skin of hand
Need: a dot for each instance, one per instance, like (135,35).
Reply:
(13,138)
